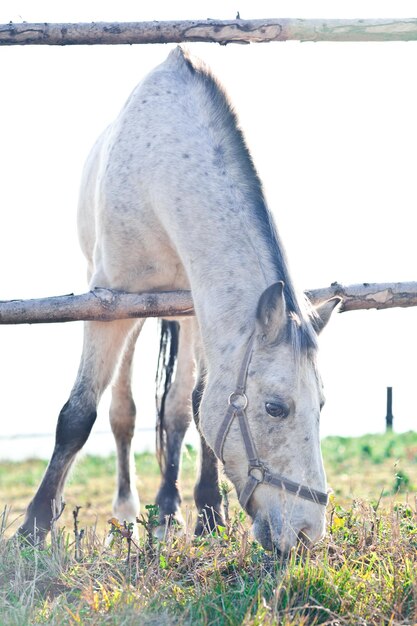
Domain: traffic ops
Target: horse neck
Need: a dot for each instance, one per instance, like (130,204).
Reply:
(226,287)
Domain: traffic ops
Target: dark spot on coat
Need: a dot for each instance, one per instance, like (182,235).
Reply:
(185,155)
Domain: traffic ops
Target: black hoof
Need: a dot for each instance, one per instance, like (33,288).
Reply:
(31,537)
(208,520)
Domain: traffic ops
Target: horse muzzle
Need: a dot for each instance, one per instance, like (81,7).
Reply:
(282,536)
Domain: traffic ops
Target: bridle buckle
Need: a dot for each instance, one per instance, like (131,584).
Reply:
(258,472)
(238,400)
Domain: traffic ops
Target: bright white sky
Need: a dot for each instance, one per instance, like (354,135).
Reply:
(333,131)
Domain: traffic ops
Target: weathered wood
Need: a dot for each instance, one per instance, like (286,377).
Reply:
(101,305)
(106,305)
(368,295)
(219,31)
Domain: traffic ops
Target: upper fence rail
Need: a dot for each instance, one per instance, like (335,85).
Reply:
(217,31)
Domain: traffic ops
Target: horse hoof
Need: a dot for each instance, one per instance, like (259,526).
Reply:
(208,521)
(34,539)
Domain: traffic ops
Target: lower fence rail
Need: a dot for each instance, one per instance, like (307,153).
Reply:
(107,305)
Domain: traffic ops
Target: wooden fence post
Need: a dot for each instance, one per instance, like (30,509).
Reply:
(389,418)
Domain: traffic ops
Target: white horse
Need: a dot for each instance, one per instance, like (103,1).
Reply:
(170,199)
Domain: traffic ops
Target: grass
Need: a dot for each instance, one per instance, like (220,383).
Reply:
(371,465)
(365,572)
(90,486)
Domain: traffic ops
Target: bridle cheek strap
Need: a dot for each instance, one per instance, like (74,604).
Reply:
(258,473)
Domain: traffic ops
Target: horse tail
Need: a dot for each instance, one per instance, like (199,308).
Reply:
(165,375)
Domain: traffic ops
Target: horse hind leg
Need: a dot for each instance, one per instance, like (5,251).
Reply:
(103,343)
(122,421)
(174,420)
(175,380)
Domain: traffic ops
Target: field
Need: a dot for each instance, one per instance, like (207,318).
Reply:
(364,572)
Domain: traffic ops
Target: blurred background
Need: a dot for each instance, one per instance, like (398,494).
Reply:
(333,132)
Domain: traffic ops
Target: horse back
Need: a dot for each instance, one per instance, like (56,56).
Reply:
(155,177)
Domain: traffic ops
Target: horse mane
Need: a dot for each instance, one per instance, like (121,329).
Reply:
(301,313)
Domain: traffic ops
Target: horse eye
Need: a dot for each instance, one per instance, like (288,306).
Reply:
(277,410)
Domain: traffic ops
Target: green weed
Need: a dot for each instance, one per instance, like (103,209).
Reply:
(364,573)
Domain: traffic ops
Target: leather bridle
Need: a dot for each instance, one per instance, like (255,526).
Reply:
(258,472)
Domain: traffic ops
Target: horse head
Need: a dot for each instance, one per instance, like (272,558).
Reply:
(269,437)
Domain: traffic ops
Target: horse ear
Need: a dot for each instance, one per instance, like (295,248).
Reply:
(271,314)
(323,313)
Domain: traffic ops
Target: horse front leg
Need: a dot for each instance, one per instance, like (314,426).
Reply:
(174,413)
(103,342)
(207,495)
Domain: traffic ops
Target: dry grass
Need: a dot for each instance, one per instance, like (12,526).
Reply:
(363,573)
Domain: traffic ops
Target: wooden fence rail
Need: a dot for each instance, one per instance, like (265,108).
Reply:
(219,31)
(107,304)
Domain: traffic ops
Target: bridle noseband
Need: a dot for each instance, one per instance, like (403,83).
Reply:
(258,472)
